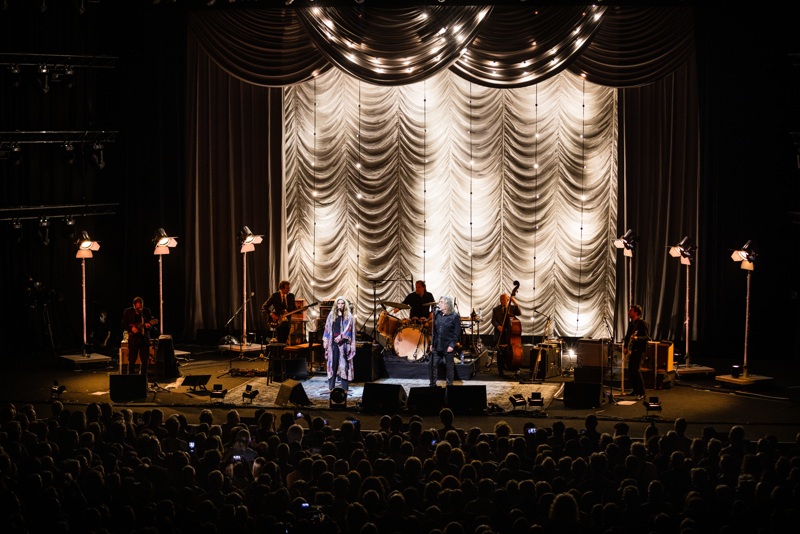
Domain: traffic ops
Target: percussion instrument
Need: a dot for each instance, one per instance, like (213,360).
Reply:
(410,342)
(387,325)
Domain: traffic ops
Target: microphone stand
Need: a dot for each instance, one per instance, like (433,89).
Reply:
(243,343)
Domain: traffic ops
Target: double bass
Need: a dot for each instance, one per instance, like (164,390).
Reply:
(514,353)
(512,356)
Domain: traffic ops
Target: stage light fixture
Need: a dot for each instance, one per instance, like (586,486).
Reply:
(85,248)
(44,230)
(162,243)
(248,241)
(338,398)
(685,250)
(747,256)
(536,399)
(249,393)
(516,401)
(652,404)
(98,156)
(628,242)
(56,390)
(217,392)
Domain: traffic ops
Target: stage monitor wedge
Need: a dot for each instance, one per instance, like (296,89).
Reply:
(383,398)
(195,381)
(466,399)
(292,392)
(127,388)
(425,400)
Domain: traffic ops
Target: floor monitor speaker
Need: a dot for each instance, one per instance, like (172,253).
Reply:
(383,398)
(127,388)
(582,394)
(292,392)
(425,400)
(466,399)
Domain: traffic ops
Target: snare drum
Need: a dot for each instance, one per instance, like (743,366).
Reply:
(411,342)
(387,325)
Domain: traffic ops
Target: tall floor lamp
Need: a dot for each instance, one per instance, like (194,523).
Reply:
(163,243)
(628,242)
(685,251)
(85,248)
(249,241)
(747,256)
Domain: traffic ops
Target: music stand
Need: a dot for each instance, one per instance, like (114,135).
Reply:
(196,381)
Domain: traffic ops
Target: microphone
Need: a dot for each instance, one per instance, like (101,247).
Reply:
(536,308)
(411,281)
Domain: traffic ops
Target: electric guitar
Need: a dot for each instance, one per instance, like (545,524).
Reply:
(284,317)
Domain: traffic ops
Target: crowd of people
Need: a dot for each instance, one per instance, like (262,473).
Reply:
(108,469)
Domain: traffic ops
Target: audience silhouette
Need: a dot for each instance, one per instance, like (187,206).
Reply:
(115,470)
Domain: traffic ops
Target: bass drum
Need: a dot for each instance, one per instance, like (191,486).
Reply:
(411,342)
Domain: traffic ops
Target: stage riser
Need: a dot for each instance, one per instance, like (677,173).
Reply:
(401,368)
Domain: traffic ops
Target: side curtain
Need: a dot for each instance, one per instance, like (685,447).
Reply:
(234,170)
(659,199)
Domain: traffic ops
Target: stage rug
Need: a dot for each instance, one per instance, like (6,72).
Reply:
(316,389)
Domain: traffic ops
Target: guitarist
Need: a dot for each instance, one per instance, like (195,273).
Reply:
(138,322)
(635,344)
(277,305)
(501,321)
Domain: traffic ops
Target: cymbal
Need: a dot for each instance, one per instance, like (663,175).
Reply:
(398,305)
(434,303)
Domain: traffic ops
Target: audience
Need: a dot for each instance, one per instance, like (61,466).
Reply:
(106,470)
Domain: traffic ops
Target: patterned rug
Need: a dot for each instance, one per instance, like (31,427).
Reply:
(316,389)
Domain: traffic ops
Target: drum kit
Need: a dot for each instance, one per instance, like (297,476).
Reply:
(407,338)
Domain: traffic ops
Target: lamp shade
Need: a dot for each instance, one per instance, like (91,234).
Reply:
(248,239)
(746,255)
(685,250)
(86,246)
(628,241)
(163,242)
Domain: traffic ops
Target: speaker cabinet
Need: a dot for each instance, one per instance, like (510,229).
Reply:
(425,400)
(549,361)
(659,355)
(127,388)
(365,364)
(383,398)
(589,374)
(582,395)
(466,399)
(591,353)
(166,365)
(296,368)
(292,392)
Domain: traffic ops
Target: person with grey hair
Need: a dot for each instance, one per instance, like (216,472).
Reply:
(446,333)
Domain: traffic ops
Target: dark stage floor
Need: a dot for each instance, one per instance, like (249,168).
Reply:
(771,407)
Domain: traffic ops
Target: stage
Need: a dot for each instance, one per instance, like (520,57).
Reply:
(769,408)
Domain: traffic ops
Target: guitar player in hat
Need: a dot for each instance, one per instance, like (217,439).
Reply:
(277,306)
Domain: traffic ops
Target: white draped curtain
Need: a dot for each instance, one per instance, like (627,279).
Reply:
(467,187)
